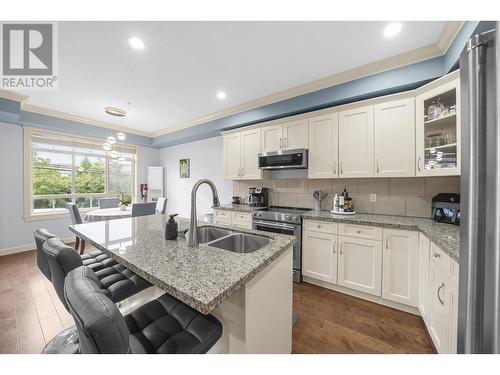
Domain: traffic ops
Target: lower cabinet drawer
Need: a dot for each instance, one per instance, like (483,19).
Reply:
(321,226)
(360,231)
(222,214)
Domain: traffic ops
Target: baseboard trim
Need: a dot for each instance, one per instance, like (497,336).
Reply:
(29,247)
(365,296)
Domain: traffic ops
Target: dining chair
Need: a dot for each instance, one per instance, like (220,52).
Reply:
(74,214)
(161,205)
(109,202)
(143,209)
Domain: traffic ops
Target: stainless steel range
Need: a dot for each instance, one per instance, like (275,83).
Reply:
(284,220)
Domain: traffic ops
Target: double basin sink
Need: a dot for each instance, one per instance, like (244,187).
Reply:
(231,241)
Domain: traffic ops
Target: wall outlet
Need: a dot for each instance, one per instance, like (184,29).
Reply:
(373,198)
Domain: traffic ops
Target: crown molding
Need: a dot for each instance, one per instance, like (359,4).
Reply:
(84,120)
(450,32)
(437,49)
(393,62)
(11,95)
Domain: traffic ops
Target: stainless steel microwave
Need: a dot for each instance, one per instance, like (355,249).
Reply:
(284,159)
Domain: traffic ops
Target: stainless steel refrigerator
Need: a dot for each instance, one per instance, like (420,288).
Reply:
(479,296)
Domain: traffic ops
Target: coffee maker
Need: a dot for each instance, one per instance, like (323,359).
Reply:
(259,197)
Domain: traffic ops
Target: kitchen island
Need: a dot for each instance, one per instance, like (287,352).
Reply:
(250,293)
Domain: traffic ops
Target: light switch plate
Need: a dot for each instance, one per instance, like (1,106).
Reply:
(373,198)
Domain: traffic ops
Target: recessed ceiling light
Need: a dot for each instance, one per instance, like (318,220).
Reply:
(136,42)
(392,29)
(221,95)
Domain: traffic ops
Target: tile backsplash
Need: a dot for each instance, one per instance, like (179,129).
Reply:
(395,196)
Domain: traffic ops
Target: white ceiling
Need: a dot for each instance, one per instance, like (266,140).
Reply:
(175,78)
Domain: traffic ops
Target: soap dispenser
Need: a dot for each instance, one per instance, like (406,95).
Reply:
(171,229)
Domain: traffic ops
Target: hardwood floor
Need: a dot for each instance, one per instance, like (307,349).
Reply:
(330,322)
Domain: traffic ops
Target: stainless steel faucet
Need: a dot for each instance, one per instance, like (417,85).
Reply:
(193,228)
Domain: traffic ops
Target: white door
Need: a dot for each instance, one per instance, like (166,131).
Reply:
(395,138)
(423,276)
(319,256)
(356,142)
(440,317)
(360,264)
(232,156)
(272,138)
(250,148)
(295,134)
(400,266)
(323,146)
(438,130)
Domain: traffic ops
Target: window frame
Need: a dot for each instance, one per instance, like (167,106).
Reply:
(29,214)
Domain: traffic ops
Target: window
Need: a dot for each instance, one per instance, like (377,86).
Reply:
(62,169)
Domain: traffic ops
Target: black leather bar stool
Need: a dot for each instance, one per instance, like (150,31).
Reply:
(116,281)
(164,325)
(59,259)
(96,260)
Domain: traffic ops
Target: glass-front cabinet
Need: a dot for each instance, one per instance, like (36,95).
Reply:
(438,128)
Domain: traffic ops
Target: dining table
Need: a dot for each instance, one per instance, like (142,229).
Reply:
(103,214)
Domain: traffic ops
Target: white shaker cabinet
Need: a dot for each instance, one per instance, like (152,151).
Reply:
(319,257)
(272,138)
(295,134)
(232,156)
(423,276)
(286,136)
(360,265)
(250,148)
(356,142)
(323,146)
(439,325)
(240,155)
(400,266)
(395,138)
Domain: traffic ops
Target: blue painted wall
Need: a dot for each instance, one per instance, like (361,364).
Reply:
(393,81)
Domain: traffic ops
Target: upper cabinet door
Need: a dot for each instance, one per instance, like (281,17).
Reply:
(323,146)
(395,138)
(295,134)
(272,138)
(356,142)
(438,130)
(232,156)
(250,148)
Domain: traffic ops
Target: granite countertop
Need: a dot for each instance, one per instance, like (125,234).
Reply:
(202,278)
(237,207)
(445,236)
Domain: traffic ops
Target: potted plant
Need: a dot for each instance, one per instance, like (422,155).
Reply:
(125,200)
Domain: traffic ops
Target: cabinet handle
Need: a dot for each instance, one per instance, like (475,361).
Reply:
(285,142)
(436,255)
(281,142)
(342,248)
(439,297)
(387,241)
(418,164)
(341,167)
(334,247)
(334,167)
(242,172)
(378,166)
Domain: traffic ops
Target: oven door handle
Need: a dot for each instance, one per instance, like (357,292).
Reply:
(274,225)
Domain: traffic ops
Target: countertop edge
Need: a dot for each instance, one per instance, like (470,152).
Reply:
(204,308)
(415,227)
